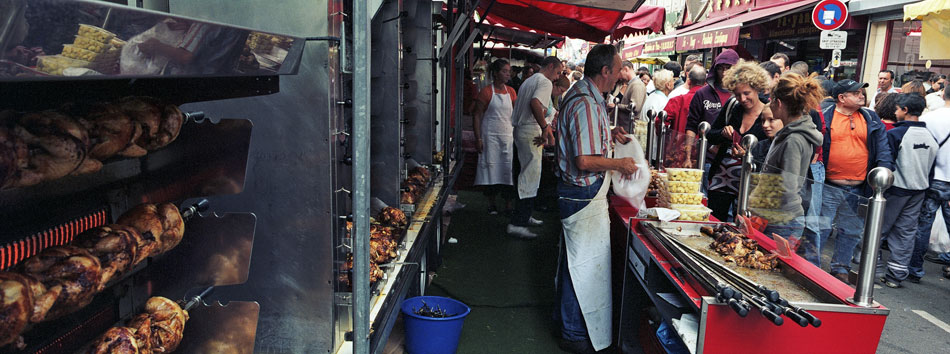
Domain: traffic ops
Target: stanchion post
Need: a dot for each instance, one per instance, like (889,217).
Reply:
(880,179)
(651,136)
(745,181)
(703,143)
(660,147)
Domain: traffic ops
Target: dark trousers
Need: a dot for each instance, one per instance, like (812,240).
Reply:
(937,196)
(720,203)
(899,228)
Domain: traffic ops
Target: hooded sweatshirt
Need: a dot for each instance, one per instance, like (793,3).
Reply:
(709,100)
(790,155)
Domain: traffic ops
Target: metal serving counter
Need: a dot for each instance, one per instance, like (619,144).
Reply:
(650,270)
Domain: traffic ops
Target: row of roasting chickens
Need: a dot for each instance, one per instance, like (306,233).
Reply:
(157,330)
(63,279)
(736,247)
(415,185)
(386,230)
(43,146)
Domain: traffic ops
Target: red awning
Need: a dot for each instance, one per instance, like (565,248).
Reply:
(592,24)
(498,33)
(647,18)
(724,31)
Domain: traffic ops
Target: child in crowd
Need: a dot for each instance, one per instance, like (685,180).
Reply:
(914,150)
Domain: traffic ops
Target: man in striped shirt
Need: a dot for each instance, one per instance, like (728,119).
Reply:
(583,143)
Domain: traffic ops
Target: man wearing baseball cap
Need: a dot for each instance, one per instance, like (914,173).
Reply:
(854,143)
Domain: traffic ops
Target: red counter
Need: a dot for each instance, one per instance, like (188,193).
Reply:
(845,328)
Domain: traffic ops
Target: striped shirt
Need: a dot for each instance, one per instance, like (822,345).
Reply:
(582,129)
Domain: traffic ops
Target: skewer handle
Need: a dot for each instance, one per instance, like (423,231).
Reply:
(795,317)
(741,310)
(772,316)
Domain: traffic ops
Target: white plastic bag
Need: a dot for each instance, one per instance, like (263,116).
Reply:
(133,62)
(939,238)
(634,188)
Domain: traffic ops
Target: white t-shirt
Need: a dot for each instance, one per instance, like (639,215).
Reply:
(679,90)
(935,101)
(938,122)
(656,102)
(535,87)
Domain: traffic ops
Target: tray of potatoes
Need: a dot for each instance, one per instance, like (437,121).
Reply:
(686,198)
(73,52)
(692,212)
(685,174)
(95,33)
(91,45)
(54,64)
(684,187)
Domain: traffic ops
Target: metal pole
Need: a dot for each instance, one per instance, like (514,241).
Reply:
(616,111)
(660,147)
(651,136)
(361,174)
(703,143)
(745,182)
(880,179)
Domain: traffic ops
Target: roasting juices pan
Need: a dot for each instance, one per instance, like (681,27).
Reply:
(844,326)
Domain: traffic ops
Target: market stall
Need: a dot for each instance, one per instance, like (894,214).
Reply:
(728,286)
(192,140)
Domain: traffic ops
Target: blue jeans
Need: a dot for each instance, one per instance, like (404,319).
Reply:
(839,206)
(937,196)
(568,312)
(812,230)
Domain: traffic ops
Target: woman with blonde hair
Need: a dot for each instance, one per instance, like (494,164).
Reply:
(740,116)
(793,147)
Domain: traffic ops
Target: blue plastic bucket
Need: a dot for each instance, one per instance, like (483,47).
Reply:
(429,335)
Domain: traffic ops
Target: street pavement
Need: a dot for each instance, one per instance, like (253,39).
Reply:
(919,321)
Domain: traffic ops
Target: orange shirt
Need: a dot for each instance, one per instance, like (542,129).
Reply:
(848,153)
(484,96)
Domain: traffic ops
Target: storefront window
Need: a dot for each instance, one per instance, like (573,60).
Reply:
(903,57)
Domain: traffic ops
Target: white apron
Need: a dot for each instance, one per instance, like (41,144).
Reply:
(587,242)
(529,155)
(494,163)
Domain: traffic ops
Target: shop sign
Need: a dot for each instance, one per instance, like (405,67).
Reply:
(660,46)
(728,7)
(631,52)
(710,39)
(833,40)
(794,25)
(829,15)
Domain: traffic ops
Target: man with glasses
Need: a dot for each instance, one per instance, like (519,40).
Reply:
(854,143)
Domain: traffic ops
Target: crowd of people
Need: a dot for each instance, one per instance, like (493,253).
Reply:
(822,137)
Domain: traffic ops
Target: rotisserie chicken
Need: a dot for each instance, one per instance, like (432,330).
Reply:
(75,269)
(116,340)
(17,308)
(112,133)
(390,216)
(58,146)
(167,324)
(14,155)
(160,123)
(157,330)
(159,224)
(115,245)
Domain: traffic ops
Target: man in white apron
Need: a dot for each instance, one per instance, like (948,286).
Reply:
(529,124)
(583,149)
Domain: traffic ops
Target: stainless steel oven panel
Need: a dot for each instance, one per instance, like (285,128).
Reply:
(290,183)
